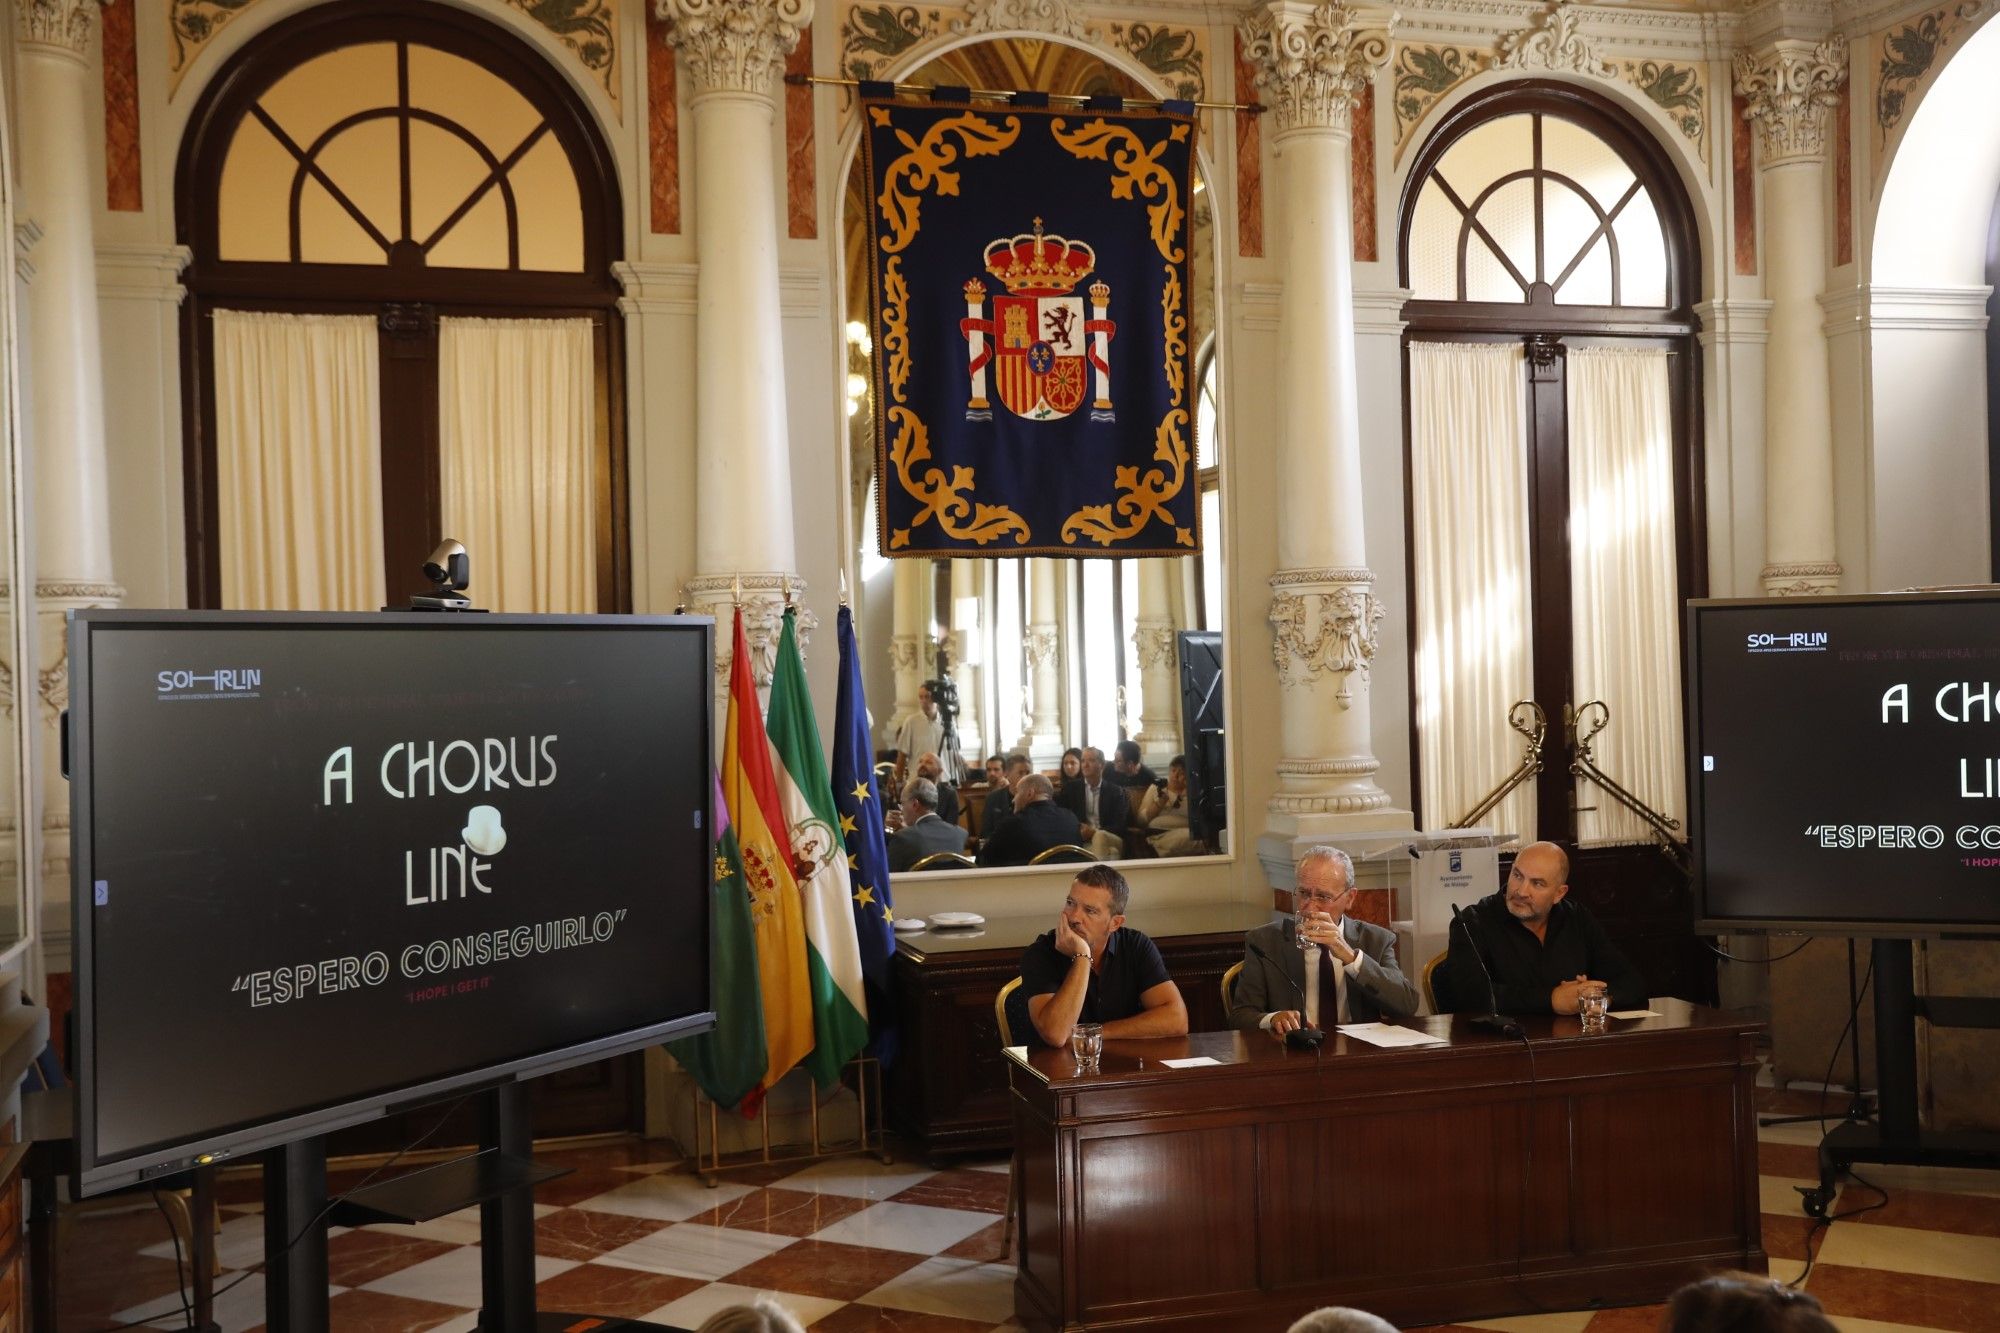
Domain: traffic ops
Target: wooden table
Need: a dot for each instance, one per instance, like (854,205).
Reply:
(1487,1177)
(950,1094)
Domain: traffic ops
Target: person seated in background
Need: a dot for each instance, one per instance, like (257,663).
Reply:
(1164,811)
(1101,807)
(1036,825)
(996,771)
(1346,973)
(1128,772)
(1123,982)
(931,767)
(924,831)
(1341,1319)
(1071,767)
(1542,952)
(1743,1303)
(1000,801)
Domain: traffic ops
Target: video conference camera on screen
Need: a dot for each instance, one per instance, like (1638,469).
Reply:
(1844,763)
(329,866)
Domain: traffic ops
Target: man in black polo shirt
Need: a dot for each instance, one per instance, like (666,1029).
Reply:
(1092,968)
(1543,953)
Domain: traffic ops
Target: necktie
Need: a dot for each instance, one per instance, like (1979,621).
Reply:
(1329,989)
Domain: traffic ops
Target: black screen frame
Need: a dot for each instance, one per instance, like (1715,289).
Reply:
(95,1175)
(1712,923)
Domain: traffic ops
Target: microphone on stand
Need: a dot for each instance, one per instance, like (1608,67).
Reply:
(1489,1020)
(1299,1038)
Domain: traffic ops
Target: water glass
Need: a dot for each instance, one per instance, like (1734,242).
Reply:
(1594,1005)
(1086,1044)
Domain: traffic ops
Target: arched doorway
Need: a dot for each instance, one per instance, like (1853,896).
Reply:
(425,184)
(1553,468)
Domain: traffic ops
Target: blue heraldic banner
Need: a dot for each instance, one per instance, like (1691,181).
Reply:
(1033,376)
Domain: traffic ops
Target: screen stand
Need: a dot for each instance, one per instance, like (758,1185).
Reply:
(507,1220)
(1899,1139)
(295,1211)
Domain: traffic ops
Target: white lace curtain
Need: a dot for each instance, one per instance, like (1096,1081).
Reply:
(1623,582)
(1473,639)
(298,457)
(517,421)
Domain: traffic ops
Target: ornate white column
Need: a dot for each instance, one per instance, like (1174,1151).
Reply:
(743,525)
(966,646)
(1312,62)
(1043,741)
(909,639)
(63,360)
(1791,86)
(1159,681)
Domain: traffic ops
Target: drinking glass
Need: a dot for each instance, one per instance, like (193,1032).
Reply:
(1595,1004)
(1086,1044)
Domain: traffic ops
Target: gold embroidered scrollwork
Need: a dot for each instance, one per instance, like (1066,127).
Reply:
(1139,174)
(943,499)
(925,165)
(1138,170)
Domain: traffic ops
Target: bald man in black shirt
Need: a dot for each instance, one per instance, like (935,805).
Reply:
(1542,952)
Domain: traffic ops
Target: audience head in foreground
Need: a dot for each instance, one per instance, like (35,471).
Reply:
(1743,1303)
(1341,1319)
(1121,983)
(763,1315)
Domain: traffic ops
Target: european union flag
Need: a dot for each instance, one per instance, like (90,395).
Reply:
(861,816)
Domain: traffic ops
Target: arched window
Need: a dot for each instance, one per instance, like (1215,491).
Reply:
(403,224)
(1552,410)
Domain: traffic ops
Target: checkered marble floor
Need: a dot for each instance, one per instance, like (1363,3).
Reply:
(852,1245)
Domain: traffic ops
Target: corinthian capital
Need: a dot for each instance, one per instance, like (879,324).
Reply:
(734,45)
(60,23)
(1312,61)
(1790,87)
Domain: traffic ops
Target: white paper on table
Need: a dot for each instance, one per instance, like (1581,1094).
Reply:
(1018,1052)
(1387,1034)
(1633,1013)
(1191,1061)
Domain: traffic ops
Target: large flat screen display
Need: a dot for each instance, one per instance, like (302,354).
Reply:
(326,866)
(1844,763)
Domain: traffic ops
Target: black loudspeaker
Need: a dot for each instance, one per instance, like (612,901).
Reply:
(1202,732)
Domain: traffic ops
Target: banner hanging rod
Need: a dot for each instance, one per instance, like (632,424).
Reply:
(1003,94)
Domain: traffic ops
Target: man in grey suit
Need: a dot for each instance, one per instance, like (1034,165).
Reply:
(923,832)
(1284,986)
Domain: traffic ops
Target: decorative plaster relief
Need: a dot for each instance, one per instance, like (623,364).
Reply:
(1334,631)
(1177,55)
(1678,91)
(763,598)
(873,35)
(1312,61)
(193,24)
(1790,88)
(1424,74)
(734,45)
(1060,18)
(1908,55)
(63,23)
(1556,43)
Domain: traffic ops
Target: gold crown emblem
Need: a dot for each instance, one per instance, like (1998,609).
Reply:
(1038,265)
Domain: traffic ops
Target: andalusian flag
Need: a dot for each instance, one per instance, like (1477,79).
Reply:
(860,804)
(819,860)
(751,789)
(728,1062)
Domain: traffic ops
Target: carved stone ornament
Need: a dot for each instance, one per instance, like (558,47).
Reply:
(62,23)
(1061,18)
(763,597)
(1155,645)
(1554,44)
(1040,645)
(734,45)
(1790,88)
(1334,631)
(1814,580)
(906,653)
(1311,61)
